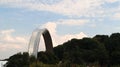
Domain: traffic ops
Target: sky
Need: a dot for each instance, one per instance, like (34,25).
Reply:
(65,19)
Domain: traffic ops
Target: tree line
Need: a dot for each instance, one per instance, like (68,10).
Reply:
(101,50)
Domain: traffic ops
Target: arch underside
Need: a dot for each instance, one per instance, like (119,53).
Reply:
(35,40)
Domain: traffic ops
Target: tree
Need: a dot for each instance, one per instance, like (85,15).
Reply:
(48,58)
(105,44)
(103,49)
(59,50)
(115,48)
(18,60)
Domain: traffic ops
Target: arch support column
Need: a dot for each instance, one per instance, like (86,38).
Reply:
(48,41)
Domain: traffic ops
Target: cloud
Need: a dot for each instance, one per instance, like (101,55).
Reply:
(59,39)
(71,8)
(73,22)
(68,22)
(111,1)
(116,16)
(65,7)
(10,44)
(7,31)
(6,36)
(117,28)
(93,25)
(77,8)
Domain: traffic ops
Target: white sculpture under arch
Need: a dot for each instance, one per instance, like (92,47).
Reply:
(35,40)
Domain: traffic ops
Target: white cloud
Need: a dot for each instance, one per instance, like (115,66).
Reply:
(65,7)
(87,8)
(116,16)
(93,25)
(59,39)
(118,28)
(51,26)
(73,22)
(10,44)
(7,31)
(111,1)
(6,36)
(68,22)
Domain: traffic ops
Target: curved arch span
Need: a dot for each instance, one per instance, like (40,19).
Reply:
(35,40)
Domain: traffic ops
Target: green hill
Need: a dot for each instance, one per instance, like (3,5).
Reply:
(99,51)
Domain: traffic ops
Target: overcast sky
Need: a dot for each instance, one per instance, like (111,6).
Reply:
(65,19)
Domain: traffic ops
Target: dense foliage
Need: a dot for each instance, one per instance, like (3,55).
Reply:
(82,51)
(18,60)
(102,50)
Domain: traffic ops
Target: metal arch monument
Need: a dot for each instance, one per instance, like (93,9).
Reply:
(35,40)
